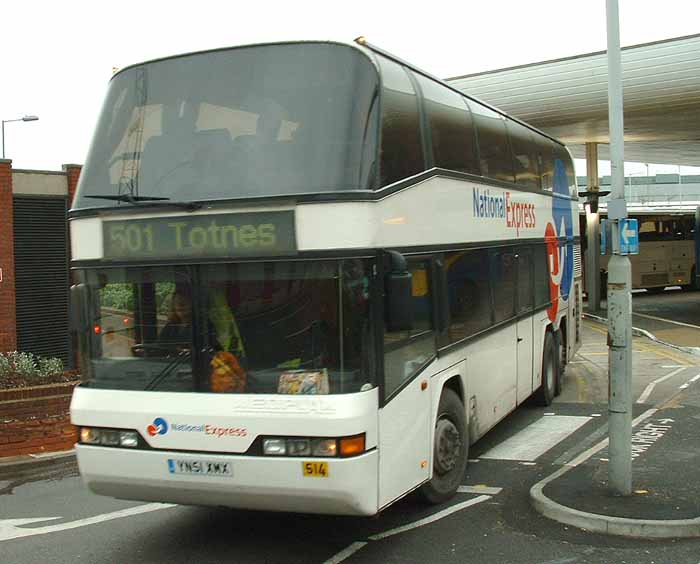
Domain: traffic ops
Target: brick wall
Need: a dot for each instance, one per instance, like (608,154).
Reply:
(73,173)
(35,420)
(8,327)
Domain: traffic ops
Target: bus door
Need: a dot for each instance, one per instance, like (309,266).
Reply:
(405,421)
(525,299)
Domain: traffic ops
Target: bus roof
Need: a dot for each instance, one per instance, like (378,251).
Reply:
(361,45)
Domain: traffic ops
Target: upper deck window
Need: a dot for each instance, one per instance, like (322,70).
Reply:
(562,155)
(494,149)
(524,155)
(257,121)
(402,150)
(451,128)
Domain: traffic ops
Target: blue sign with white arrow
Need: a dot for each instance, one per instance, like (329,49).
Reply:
(629,237)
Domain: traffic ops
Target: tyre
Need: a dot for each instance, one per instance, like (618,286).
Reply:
(693,282)
(550,371)
(450,450)
(561,355)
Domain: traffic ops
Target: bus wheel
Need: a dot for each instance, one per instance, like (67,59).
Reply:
(559,348)
(550,371)
(450,450)
(693,282)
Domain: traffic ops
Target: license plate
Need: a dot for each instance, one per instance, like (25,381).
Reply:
(315,469)
(200,467)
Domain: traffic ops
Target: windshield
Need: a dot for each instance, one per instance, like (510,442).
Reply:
(282,327)
(257,121)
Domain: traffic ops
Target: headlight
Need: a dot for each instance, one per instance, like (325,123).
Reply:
(315,446)
(108,437)
(298,447)
(89,436)
(324,447)
(128,439)
(275,447)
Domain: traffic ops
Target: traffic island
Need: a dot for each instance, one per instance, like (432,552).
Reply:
(665,502)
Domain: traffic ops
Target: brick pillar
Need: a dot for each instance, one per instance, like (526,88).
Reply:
(73,172)
(8,320)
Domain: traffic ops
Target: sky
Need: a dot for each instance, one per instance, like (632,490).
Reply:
(57,57)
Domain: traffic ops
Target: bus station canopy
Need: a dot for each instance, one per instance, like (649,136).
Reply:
(568,99)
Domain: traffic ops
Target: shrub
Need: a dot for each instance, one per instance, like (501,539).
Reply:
(27,365)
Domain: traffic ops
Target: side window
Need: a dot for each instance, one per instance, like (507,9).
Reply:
(405,352)
(452,132)
(561,156)
(545,155)
(541,277)
(402,151)
(525,280)
(524,155)
(468,292)
(494,151)
(503,274)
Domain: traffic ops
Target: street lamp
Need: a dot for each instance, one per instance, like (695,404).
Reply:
(25,118)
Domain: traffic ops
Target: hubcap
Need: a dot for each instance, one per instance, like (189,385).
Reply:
(447,446)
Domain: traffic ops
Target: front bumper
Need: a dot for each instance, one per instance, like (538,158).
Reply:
(262,483)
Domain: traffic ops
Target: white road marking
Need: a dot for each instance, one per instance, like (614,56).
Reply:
(346,553)
(537,438)
(691,381)
(650,388)
(431,519)
(354,547)
(11,528)
(585,455)
(486,490)
(667,320)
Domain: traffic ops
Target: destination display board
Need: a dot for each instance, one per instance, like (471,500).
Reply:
(216,235)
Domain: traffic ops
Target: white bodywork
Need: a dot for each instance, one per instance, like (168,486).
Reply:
(496,372)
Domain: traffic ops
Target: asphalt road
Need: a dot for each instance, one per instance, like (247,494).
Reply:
(491,522)
(672,315)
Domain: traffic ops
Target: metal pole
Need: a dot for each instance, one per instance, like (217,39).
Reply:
(619,280)
(592,232)
(3,139)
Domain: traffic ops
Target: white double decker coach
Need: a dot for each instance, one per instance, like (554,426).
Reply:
(308,276)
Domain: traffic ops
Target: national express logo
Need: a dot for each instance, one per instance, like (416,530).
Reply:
(158,427)
(560,255)
(501,205)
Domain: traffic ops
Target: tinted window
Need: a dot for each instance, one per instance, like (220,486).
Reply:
(563,159)
(545,155)
(542,296)
(253,121)
(402,152)
(494,152)
(503,272)
(405,352)
(665,228)
(524,155)
(469,294)
(454,146)
(525,280)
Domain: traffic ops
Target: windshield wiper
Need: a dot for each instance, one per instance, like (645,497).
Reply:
(146,200)
(163,374)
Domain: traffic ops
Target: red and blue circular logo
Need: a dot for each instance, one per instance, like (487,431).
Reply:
(559,239)
(158,427)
